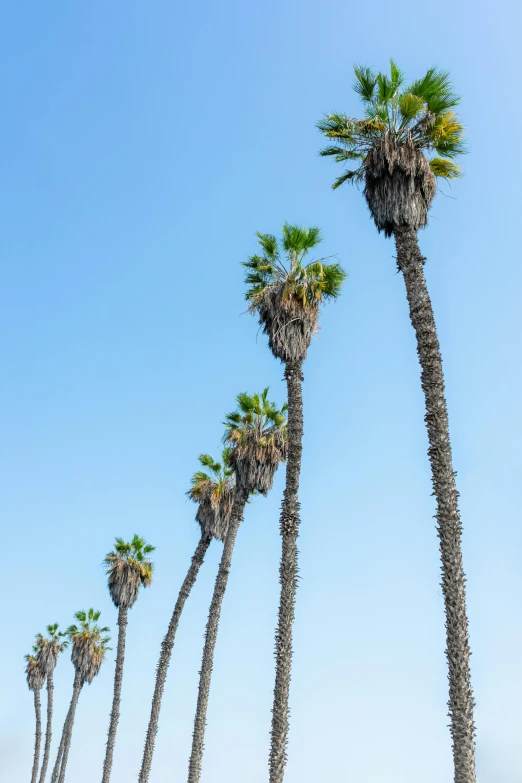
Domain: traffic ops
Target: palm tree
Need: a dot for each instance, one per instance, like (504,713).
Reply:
(214,493)
(128,569)
(49,648)
(89,647)
(257,436)
(35,681)
(409,138)
(287,298)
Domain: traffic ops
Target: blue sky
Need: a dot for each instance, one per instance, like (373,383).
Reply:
(143,145)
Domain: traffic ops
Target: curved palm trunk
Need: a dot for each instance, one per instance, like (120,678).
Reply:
(37,734)
(166,652)
(288,572)
(449,528)
(65,743)
(198,736)
(116,699)
(49,729)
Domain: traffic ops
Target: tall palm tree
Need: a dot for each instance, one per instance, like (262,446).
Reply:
(287,295)
(409,137)
(49,648)
(35,681)
(129,568)
(257,436)
(89,646)
(213,491)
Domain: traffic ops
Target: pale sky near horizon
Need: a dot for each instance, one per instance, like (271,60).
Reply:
(143,146)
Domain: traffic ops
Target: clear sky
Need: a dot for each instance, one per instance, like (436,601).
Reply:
(143,145)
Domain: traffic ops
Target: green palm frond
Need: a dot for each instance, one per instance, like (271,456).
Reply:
(305,284)
(445,169)
(365,82)
(221,479)
(256,414)
(419,114)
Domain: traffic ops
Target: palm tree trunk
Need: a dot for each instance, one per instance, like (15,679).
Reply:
(116,699)
(49,729)
(65,743)
(449,527)
(288,573)
(37,734)
(194,774)
(165,655)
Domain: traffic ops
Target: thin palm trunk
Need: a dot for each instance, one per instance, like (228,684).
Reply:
(116,699)
(166,652)
(49,728)
(288,573)
(65,743)
(449,527)
(198,736)
(37,734)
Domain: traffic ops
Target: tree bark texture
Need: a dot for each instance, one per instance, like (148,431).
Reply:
(37,734)
(49,729)
(288,574)
(116,699)
(205,675)
(449,527)
(165,655)
(65,743)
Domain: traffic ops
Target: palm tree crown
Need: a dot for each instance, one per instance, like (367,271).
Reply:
(409,137)
(257,434)
(128,568)
(213,491)
(34,674)
(287,295)
(49,648)
(89,645)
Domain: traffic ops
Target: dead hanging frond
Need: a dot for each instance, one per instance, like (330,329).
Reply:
(34,675)
(287,323)
(399,185)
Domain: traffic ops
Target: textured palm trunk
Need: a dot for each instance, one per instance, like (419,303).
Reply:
(198,736)
(116,699)
(449,526)
(65,743)
(37,734)
(49,728)
(166,652)
(288,573)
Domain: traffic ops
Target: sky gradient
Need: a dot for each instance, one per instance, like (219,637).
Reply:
(144,144)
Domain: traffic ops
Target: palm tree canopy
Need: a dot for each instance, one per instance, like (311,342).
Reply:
(213,491)
(286,292)
(128,568)
(35,676)
(49,648)
(393,144)
(257,434)
(89,644)
(420,113)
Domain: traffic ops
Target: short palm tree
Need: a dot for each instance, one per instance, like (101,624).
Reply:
(49,648)
(35,681)
(286,294)
(256,434)
(409,137)
(213,491)
(89,646)
(128,568)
